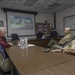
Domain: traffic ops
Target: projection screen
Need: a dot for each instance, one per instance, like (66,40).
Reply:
(20,23)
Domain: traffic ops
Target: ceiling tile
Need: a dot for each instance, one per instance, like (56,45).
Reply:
(18,1)
(15,6)
(24,8)
(6,6)
(38,5)
(29,2)
(62,7)
(1,1)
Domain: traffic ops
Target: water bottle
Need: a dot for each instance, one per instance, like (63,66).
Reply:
(22,43)
(26,42)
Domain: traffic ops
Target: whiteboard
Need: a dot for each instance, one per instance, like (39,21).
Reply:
(69,22)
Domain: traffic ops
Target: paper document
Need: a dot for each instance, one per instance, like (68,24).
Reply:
(57,50)
(30,45)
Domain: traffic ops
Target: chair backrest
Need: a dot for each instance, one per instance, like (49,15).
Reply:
(53,34)
(39,35)
(5,63)
(2,51)
(14,37)
(3,55)
(1,59)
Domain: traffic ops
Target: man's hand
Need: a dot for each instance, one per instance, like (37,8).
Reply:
(10,43)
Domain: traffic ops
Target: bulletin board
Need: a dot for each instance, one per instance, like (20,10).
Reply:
(43,27)
(1,24)
(69,21)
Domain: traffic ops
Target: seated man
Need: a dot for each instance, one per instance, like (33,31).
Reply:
(70,48)
(3,41)
(63,42)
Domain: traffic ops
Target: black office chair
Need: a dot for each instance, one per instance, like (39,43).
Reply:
(39,35)
(14,37)
(53,34)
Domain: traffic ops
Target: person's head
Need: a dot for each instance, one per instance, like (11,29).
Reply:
(2,31)
(52,28)
(67,30)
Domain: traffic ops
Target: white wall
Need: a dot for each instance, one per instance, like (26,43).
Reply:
(41,17)
(52,20)
(59,19)
(3,17)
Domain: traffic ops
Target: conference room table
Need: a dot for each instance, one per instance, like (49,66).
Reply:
(33,61)
(42,42)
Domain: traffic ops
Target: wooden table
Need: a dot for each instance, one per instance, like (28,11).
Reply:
(41,42)
(33,61)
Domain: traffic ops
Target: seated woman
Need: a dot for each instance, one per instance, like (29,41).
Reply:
(3,41)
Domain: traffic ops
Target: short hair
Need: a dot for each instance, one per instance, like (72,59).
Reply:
(2,28)
(68,28)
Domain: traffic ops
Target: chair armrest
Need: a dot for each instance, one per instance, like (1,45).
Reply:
(7,65)
(1,59)
(70,52)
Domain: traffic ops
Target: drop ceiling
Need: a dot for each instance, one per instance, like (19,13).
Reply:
(43,6)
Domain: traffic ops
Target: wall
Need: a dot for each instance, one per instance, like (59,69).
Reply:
(3,17)
(59,19)
(41,17)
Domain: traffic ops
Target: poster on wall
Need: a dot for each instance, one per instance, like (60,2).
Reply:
(69,21)
(20,23)
(1,24)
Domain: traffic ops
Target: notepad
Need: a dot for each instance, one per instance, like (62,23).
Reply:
(57,50)
(30,45)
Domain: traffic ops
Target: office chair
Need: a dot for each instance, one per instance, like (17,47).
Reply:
(39,35)
(5,64)
(14,37)
(53,34)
